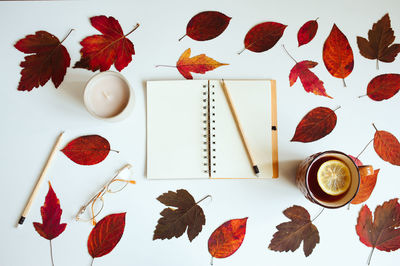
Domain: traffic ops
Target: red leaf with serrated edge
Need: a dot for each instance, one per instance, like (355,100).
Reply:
(263,36)
(48,59)
(367,185)
(316,124)
(207,25)
(383,232)
(102,51)
(106,234)
(87,150)
(311,83)
(383,87)
(387,147)
(307,32)
(337,54)
(227,238)
(197,64)
(51,215)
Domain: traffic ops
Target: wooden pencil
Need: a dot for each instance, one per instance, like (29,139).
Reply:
(239,127)
(39,181)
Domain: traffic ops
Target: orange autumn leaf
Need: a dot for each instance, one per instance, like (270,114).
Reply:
(338,55)
(197,64)
(227,238)
(367,185)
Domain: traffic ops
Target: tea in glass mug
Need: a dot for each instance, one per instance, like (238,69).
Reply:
(330,179)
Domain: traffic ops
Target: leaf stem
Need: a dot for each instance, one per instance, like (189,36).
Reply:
(208,196)
(370,256)
(241,51)
(182,38)
(136,26)
(67,35)
(344,83)
(51,253)
(164,66)
(283,46)
(364,148)
(318,214)
(337,108)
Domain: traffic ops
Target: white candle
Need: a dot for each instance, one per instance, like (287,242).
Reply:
(108,96)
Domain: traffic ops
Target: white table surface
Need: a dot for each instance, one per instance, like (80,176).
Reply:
(30,122)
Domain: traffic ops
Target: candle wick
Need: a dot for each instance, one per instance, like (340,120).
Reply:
(106,95)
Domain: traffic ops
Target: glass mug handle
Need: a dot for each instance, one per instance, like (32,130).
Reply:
(365,170)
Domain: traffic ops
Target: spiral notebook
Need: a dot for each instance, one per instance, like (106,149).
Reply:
(191,132)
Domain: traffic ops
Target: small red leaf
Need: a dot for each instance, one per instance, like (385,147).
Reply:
(311,83)
(197,64)
(263,36)
(102,51)
(337,54)
(367,185)
(383,87)
(383,232)
(51,215)
(48,59)
(387,147)
(355,160)
(307,32)
(207,25)
(316,124)
(106,234)
(87,150)
(227,238)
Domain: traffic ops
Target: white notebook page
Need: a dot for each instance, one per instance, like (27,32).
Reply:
(251,99)
(175,129)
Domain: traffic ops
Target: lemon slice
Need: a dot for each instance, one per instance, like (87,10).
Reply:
(334,177)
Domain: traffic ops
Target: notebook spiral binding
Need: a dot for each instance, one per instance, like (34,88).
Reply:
(212,133)
(209,127)
(205,130)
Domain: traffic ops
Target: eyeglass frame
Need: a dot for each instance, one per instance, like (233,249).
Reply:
(101,193)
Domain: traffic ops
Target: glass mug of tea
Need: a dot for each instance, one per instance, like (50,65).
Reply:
(330,179)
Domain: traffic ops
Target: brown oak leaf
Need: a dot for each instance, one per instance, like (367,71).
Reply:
(183,213)
(290,234)
(379,44)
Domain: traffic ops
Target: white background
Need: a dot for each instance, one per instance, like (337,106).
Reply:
(30,122)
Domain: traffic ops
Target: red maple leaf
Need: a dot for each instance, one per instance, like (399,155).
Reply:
(48,59)
(51,214)
(383,232)
(310,81)
(101,51)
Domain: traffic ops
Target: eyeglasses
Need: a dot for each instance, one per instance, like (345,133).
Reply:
(97,202)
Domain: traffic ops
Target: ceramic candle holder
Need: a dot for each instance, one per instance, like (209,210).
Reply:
(108,96)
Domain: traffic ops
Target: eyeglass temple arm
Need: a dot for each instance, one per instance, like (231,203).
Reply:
(83,208)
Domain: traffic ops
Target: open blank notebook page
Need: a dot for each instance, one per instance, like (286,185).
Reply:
(191,132)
